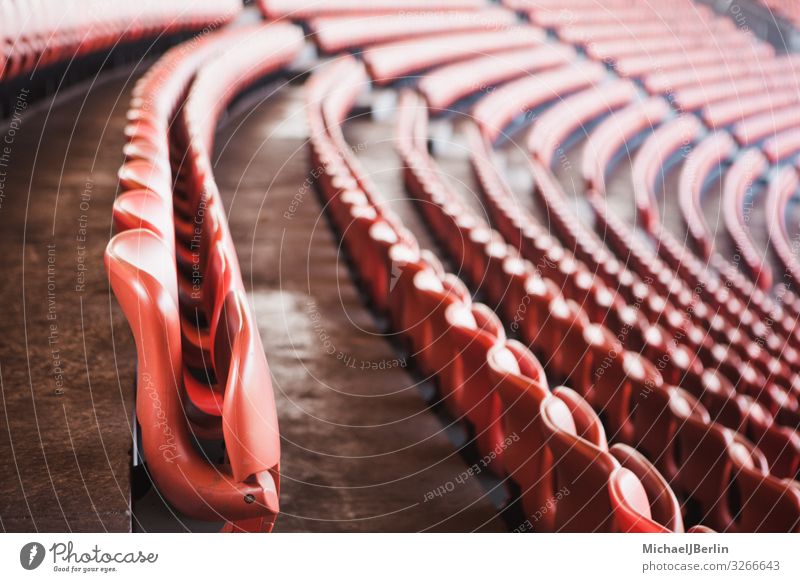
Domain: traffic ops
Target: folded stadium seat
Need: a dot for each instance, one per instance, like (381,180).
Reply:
(781,190)
(558,340)
(407,261)
(781,146)
(246,490)
(710,154)
(422,318)
(725,113)
(446,85)
(550,132)
(658,415)
(713,485)
(142,175)
(664,507)
(334,34)
(144,209)
(391,62)
(612,379)
(768,504)
(675,362)
(521,385)
(754,129)
(372,237)
(465,385)
(650,161)
(737,192)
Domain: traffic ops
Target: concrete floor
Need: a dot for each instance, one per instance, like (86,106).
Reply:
(66,355)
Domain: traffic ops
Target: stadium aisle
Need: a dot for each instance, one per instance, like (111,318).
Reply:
(390,454)
(71,450)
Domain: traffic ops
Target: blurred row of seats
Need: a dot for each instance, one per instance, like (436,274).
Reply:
(202,374)
(37,33)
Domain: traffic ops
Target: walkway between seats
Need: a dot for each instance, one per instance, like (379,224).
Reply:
(67,360)
(361,449)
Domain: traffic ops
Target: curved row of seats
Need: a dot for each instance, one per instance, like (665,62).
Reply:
(202,374)
(658,313)
(782,188)
(769,84)
(707,154)
(521,99)
(333,34)
(574,349)
(652,158)
(713,390)
(773,379)
(38,33)
(550,133)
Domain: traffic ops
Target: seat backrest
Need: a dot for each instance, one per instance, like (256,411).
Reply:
(587,423)
(249,419)
(582,469)
(630,504)
(664,508)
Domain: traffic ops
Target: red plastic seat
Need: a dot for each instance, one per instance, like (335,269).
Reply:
(144,283)
(648,165)
(552,129)
(709,460)
(665,510)
(709,155)
(596,482)
(521,385)
(739,181)
(466,386)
